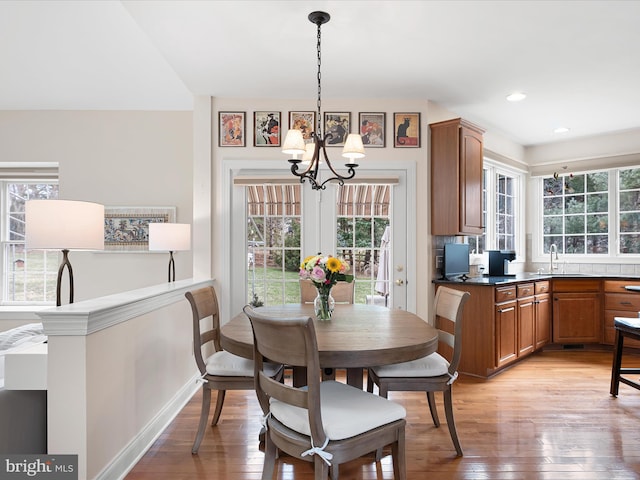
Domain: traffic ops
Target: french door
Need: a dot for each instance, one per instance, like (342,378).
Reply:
(277,222)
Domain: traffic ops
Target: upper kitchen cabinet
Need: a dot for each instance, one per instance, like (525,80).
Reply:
(456,178)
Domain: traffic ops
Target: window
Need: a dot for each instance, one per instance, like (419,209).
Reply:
(273,243)
(591,213)
(629,210)
(501,206)
(29,276)
(575,213)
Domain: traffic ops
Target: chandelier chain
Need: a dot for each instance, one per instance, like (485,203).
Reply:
(318,131)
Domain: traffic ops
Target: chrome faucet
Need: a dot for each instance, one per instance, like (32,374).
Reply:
(553,249)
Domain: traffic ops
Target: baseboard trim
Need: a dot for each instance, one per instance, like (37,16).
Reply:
(135,450)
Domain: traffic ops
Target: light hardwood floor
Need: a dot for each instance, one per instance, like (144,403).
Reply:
(549,417)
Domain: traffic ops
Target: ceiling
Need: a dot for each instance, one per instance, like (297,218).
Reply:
(577,61)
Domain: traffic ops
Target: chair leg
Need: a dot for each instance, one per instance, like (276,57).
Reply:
(369,383)
(218,410)
(431,398)
(398,457)
(334,471)
(448,410)
(321,469)
(270,454)
(382,391)
(204,414)
(617,363)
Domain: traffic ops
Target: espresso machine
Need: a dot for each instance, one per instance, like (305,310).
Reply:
(499,262)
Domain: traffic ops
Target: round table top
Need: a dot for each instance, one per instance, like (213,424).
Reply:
(356,336)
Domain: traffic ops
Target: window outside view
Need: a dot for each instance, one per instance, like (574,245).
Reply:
(275,250)
(29,276)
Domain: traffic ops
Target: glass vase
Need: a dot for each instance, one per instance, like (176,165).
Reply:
(324,304)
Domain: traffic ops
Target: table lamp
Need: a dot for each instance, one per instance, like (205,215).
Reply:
(171,237)
(64,225)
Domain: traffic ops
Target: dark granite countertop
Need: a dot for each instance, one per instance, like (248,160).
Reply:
(529,276)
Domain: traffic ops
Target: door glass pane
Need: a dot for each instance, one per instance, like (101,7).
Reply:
(363,236)
(273,244)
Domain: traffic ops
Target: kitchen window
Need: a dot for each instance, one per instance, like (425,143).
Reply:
(501,208)
(594,214)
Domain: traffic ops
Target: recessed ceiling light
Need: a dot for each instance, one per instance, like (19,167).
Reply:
(561,130)
(516,96)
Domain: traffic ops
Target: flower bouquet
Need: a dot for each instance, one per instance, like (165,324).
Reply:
(324,271)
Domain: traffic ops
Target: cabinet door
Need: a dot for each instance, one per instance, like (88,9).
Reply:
(577,318)
(542,309)
(526,326)
(470,181)
(506,333)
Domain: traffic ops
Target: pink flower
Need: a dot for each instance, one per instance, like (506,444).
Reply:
(318,275)
(304,274)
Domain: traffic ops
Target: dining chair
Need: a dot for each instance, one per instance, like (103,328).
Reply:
(342,292)
(624,328)
(325,422)
(219,370)
(433,373)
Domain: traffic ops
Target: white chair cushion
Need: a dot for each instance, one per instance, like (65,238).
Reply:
(227,364)
(430,366)
(346,411)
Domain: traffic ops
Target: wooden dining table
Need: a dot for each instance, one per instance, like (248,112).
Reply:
(356,337)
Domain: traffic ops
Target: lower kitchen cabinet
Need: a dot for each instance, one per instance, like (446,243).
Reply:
(619,302)
(577,311)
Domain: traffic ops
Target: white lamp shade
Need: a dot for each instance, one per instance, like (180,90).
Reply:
(294,143)
(169,237)
(64,225)
(353,147)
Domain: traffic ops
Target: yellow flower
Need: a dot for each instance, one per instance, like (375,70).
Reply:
(333,264)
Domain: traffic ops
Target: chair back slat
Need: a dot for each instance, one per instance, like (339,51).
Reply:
(342,292)
(204,308)
(449,306)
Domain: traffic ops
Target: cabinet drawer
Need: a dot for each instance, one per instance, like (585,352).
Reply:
(617,286)
(621,301)
(525,290)
(504,294)
(576,285)
(542,287)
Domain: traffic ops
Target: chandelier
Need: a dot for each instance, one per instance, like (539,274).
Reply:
(294,143)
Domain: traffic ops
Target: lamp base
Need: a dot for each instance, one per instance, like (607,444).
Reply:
(65,263)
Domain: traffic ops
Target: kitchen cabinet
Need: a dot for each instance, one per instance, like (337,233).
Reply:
(542,314)
(526,319)
(506,323)
(577,313)
(619,302)
(500,325)
(456,178)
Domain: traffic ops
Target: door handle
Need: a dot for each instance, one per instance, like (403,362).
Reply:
(399,282)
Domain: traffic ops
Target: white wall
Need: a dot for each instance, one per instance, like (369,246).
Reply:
(118,159)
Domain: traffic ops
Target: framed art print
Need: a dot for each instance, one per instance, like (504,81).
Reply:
(304,121)
(231,129)
(372,129)
(266,129)
(406,130)
(126,229)
(337,125)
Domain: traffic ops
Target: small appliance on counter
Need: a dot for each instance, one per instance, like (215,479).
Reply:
(499,262)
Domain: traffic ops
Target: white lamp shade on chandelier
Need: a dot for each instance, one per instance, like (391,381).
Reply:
(64,225)
(353,147)
(169,237)
(294,143)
